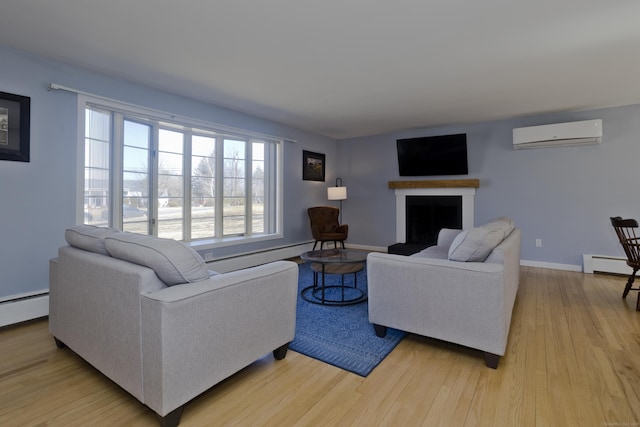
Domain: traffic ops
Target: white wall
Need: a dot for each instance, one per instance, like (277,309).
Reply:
(562,195)
(37,198)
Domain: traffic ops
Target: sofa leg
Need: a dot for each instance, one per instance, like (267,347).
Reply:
(491,360)
(172,419)
(280,352)
(381,331)
(59,343)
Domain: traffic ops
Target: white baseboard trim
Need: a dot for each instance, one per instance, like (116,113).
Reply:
(22,309)
(551,265)
(368,248)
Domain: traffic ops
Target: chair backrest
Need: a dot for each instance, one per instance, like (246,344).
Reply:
(324,219)
(626,231)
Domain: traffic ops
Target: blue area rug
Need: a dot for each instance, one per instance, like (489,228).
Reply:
(340,335)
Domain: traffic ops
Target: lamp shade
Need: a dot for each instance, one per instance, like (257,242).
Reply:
(337,193)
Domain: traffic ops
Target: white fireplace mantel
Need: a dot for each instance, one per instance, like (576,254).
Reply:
(467,193)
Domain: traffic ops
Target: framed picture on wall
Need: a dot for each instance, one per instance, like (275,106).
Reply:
(15,111)
(312,166)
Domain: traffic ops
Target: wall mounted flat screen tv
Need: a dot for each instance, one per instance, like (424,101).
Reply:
(433,155)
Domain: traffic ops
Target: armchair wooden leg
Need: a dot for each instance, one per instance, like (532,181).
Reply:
(491,360)
(59,343)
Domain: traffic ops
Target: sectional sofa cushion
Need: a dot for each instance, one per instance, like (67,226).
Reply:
(475,245)
(89,237)
(173,261)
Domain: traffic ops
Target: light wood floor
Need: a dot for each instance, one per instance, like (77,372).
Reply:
(573,359)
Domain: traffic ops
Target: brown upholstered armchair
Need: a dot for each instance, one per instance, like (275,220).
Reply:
(325,226)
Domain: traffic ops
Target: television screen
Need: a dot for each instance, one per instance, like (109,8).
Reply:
(433,155)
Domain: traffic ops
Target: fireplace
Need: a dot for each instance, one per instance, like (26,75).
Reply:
(427,215)
(424,207)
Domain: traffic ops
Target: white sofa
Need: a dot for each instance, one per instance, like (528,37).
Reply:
(467,302)
(166,330)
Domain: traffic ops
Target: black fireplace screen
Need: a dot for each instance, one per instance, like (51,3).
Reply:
(427,215)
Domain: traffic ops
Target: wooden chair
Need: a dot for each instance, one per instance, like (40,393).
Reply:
(626,231)
(325,226)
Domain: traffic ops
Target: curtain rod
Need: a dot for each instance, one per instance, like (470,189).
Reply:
(55,86)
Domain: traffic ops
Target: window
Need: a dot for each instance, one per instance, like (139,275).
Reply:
(149,174)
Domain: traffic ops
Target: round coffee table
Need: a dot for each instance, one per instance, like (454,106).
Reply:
(334,261)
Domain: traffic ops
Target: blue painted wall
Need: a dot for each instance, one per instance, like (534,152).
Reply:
(37,199)
(562,195)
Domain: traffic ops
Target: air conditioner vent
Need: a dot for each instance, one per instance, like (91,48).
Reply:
(559,134)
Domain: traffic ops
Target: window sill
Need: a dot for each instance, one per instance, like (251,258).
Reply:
(204,244)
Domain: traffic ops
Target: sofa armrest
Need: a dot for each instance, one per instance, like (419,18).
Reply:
(94,309)
(197,334)
(446,236)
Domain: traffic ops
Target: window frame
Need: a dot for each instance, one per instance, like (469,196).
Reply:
(163,120)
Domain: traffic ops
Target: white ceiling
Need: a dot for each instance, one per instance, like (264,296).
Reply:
(347,68)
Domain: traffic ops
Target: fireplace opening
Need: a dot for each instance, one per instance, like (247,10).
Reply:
(425,217)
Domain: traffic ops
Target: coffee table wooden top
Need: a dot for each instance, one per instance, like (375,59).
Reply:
(335,256)
(337,268)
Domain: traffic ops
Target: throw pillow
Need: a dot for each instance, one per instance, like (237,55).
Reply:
(173,261)
(502,224)
(89,237)
(455,252)
(476,244)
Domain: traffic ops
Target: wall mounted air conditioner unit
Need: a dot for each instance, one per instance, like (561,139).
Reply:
(572,133)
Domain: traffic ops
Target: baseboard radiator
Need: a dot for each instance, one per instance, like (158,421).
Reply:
(237,262)
(605,264)
(20,308)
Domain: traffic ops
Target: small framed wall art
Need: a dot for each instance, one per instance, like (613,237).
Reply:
(15,112)
(312,166)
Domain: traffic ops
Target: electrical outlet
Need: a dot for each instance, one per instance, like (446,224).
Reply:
(538,243)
